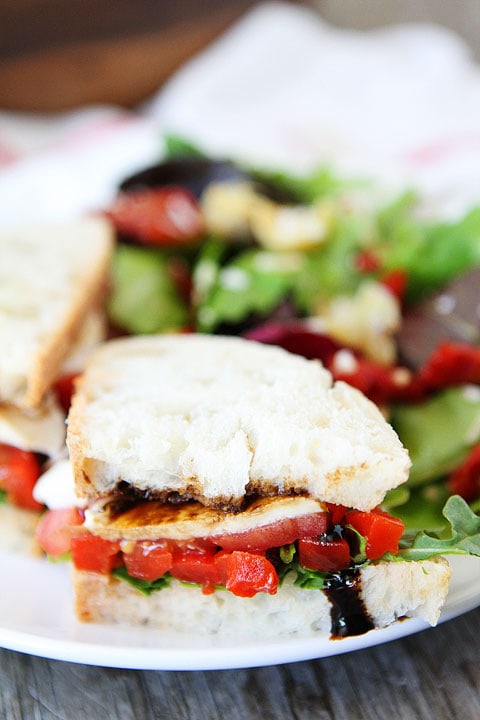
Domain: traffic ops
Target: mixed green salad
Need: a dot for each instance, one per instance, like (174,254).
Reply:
(386,297)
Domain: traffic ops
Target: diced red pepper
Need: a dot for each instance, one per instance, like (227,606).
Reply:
(148,560)
(19,472)
(337,513)
(197,565)
(324,555)
(381,530)
(249,574)
(95,554)
(465,480)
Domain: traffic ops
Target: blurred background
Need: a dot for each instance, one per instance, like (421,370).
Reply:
(58,54)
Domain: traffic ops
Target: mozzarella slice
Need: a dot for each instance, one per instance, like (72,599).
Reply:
(55,488)
(152,520)
(42,431)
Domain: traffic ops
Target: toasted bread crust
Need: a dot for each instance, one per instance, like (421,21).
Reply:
(82,281)
(54,352)
(215,419)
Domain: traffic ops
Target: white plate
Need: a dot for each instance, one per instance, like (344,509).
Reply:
(36,617)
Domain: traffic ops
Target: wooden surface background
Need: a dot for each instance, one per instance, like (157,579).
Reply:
(56,54)
(433,675)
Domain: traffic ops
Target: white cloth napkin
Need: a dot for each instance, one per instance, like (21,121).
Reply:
(280,88)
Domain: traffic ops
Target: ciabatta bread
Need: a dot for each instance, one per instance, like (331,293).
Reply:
(387,590)
(51,277)
(215,419)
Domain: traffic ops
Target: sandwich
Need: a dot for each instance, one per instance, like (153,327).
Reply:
(228,484)
(52,281)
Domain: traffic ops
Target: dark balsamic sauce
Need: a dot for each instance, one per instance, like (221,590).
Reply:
(348,612)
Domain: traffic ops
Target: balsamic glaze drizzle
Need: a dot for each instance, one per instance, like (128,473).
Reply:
(348,612)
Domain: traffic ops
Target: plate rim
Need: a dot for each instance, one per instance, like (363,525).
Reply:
(463,597)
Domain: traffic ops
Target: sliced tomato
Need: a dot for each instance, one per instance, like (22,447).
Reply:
(281,532)
(19,472)
(249,574)
(323,555)
(93,553)
(64,388)
(149,560)
(158,216)
(54,530)
(381,530)
(197,565)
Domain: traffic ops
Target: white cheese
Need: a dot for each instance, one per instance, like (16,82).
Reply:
(154,520)
(42,431)
(55,488)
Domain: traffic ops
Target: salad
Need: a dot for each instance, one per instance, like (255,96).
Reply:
(386,298)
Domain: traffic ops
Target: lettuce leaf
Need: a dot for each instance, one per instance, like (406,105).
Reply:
(143,297)
(423,510)
(176,146)
(438,433)
(464,537)
(143,586)
(432,253)
(320,183)
(253,282)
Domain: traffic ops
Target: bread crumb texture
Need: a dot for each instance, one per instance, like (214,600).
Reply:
(217,417)
(185,609)
(390,590)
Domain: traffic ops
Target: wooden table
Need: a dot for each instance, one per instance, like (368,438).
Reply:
(433,674)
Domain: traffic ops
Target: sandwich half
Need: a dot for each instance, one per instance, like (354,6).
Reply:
(52,281)
(228,482)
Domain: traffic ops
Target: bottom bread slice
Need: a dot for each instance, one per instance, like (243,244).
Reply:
(17,530)
(386,591)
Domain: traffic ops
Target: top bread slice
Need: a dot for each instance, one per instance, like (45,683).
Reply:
(51,277)
(215,419)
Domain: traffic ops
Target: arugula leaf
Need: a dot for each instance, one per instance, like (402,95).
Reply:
(253,282)
(329,270)
(361,550)
(439,432)
(178,147)
(464,537)
(3,496)
(143,586)
(431,253)
(287,553)
(320,183)
(424,509)
(143,297)
(310,579)
(396,498)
